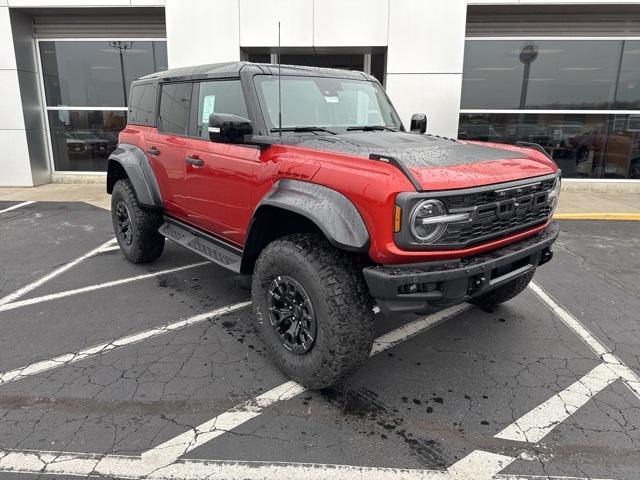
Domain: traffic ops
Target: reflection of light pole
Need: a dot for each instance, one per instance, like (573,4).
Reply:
(528,54)
(122,47)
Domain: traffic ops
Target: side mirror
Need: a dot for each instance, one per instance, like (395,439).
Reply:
(228,128)
(418,123)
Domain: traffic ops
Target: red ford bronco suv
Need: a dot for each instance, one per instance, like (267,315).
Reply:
(306,179)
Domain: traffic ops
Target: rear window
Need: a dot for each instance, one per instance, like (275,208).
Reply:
(142,104)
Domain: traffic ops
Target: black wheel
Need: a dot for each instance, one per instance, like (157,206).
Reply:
(503,293)
(136,227)
(313,309)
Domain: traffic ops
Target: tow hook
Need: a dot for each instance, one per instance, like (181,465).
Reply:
(477,282)
(545,256)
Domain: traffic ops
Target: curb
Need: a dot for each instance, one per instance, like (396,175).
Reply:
(629,217)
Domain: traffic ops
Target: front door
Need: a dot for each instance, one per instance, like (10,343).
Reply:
(219,176)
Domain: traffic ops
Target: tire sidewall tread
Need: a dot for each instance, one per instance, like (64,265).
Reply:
(147,244)
(342,304)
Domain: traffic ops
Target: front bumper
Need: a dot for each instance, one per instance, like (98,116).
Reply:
(421,287)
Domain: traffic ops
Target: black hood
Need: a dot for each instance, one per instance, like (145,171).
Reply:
(412,149)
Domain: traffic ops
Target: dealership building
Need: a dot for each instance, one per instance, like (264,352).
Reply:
(563,74)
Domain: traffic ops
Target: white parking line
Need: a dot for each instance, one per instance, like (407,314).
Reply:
(14,207)
(626,373)
(110,248)
(69,358)
(90,288)
(173,449)
(533,426)
(58,271)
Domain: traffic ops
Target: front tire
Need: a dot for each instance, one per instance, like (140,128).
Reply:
(135,227)
(313,309)
(504,292)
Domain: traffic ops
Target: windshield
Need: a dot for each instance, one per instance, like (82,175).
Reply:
(331,103)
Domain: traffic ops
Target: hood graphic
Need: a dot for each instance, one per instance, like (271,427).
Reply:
(437,163)
(411,149)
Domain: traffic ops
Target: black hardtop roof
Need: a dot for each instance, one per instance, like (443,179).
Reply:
(234,69)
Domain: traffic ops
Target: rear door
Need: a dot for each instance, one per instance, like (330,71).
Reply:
(165,147)
(219,176)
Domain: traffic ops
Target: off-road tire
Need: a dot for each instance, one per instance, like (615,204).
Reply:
(340,298)
(503,293)
(146,243)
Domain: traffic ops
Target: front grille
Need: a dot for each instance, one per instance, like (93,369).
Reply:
(468,200)
(457,234)
(496,212)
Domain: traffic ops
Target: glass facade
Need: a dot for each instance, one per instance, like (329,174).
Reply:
(82,140)
(576,98)
(86,87)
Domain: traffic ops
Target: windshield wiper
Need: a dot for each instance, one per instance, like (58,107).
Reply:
(303,129)
(370,128)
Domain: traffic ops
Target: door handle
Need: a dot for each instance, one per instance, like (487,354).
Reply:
(153,151)
(195,161)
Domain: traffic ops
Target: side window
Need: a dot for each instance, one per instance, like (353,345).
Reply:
(218,96)
(175,102)
(142,104)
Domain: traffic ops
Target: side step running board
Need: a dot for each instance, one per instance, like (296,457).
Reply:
(201,243)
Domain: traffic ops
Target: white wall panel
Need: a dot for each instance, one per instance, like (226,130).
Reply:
(259,23)
(11,116)
(202,31)
(7,55)
(14,170)
(438,96)
(426,36)
(351,23)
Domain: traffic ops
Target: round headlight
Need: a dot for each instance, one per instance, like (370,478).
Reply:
(422,228)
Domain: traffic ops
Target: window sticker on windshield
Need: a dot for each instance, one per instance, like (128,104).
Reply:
(207,107)
(332,99)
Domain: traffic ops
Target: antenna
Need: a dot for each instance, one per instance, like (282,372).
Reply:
(279,87)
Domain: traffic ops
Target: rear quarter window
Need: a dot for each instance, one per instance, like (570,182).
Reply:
(142,104)
(175,105)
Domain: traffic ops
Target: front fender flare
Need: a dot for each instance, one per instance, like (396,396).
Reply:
(138,169)
(328,209)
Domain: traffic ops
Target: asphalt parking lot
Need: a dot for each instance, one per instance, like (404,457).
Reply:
(113,370)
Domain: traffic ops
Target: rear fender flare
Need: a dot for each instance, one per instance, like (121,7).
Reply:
(138,169)
(329,210)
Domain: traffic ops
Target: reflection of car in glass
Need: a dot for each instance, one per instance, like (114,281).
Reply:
(613,152)
(98,146)
(74,146)
(559,139)
(560,135)
(480,132)
(526,132)
(111,137)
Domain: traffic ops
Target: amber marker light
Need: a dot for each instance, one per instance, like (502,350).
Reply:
(397,218)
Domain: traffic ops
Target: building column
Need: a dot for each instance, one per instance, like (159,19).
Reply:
(19,127)
(424,61)
(202,31)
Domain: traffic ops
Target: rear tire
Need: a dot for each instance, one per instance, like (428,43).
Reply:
(503,293)
(319,289)
(135,227)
